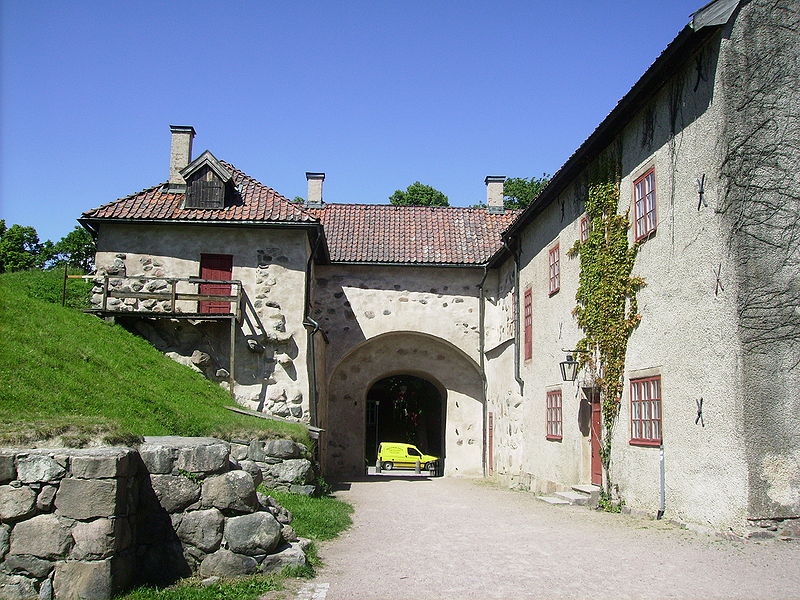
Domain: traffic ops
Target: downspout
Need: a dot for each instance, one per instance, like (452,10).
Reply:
(516,295)
(663,484)
(481,346)
(312,327)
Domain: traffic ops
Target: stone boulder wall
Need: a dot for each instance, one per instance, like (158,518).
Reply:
(90,523)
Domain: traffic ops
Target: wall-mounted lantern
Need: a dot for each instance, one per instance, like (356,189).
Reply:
(569,367)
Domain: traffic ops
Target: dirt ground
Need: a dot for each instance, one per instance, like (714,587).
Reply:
(452,538)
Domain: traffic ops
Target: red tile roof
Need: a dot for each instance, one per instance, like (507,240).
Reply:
(411,234)
(258,203)
(360,233)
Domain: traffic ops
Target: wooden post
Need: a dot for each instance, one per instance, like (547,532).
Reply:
(172,294)
(232,356)
(416,468)
(105,292)
(64,288)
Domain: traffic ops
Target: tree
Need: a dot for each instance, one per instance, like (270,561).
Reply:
(419,194)
(519,192)
(77,249)
(19,248)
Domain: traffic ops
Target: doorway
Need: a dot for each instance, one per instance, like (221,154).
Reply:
(217,267)
(406,409)
(593,394)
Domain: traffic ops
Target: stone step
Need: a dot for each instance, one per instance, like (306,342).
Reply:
(586,488)
(552,500)
(573,497)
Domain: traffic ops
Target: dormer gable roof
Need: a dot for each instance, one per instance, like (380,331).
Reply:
(209,160)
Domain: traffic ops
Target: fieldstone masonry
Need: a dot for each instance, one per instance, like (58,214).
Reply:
(89,523)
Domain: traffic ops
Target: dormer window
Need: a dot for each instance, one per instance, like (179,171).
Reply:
(209,185)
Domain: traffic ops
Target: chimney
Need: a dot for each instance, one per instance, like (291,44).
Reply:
(180,155)
(314,197)
(494,193)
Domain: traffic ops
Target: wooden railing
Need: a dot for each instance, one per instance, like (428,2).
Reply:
(172,295)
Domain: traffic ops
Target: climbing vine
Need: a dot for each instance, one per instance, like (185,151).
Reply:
(606,308)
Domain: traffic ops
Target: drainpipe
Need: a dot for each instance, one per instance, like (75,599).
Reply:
(481,346)
(312,327)
(663,486)
(516,295)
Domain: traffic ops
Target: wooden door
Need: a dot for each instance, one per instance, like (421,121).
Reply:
(597,428)
(219,267)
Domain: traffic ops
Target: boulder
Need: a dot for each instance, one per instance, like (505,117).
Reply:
(100,463)
(96,539)
(175,492)
(8,471)
(16,502)
(232,492)
(36,468)
(304,490)
(275,449)
(46,497)
(17,587)
(238,451)
(253,534)
(254,470)
(288,533)
(202,529)
(289,555)
(293,470)
(44,536)
(227,564)
(90,498)
(208,456)
(5,533)
(83,580)
(200,358)
(30,566)
(156,458)
(46,590)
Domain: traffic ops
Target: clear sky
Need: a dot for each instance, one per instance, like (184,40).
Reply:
(375,94)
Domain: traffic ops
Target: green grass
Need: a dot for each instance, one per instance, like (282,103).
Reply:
(246,588)
(63,372)
(321,518)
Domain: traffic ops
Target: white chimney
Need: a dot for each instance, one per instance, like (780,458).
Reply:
(314,197)
(180,153)
(494,193)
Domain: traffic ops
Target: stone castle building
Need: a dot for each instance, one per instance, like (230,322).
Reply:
(449,324)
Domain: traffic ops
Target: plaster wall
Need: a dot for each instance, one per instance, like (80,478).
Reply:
(354,303)
(404,353)
(688,333)
(271,265)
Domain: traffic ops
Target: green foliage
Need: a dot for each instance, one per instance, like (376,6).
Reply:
(299,200)
(19,248)
(65,371)
(321,518)
(49,286)
(77,249)
(606,308)
(419,194)
(519,192)
(606,503)
(245,588)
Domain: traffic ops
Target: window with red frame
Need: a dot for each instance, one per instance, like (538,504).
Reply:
(554,415)
(528,314)
(644,205)
(555,270)
(584,228)
(646,411)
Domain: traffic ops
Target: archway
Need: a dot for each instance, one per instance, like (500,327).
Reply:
(404,408)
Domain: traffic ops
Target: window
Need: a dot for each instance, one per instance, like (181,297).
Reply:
(646,411)
(644,205)
(584,228)
(554,415)
(555,270)
(528,313)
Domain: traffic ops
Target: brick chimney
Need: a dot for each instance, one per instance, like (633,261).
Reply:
(494,193)
(314,197)
(180,155)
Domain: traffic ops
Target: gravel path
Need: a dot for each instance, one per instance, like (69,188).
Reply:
(449,538)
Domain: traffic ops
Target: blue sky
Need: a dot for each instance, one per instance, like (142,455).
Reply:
(375,94)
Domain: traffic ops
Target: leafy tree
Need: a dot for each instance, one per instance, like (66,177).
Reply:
(19,248)
(519,192)
(419,194)
(77,249)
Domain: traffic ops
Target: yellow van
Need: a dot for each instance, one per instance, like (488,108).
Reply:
(397,455)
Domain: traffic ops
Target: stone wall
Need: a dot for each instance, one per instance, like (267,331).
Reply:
(89,523)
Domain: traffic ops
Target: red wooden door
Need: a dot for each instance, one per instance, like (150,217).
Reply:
(219,267)
(597,428)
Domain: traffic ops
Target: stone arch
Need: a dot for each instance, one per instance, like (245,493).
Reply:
(411,353)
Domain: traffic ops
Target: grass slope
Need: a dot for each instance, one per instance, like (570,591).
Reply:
(63,370)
